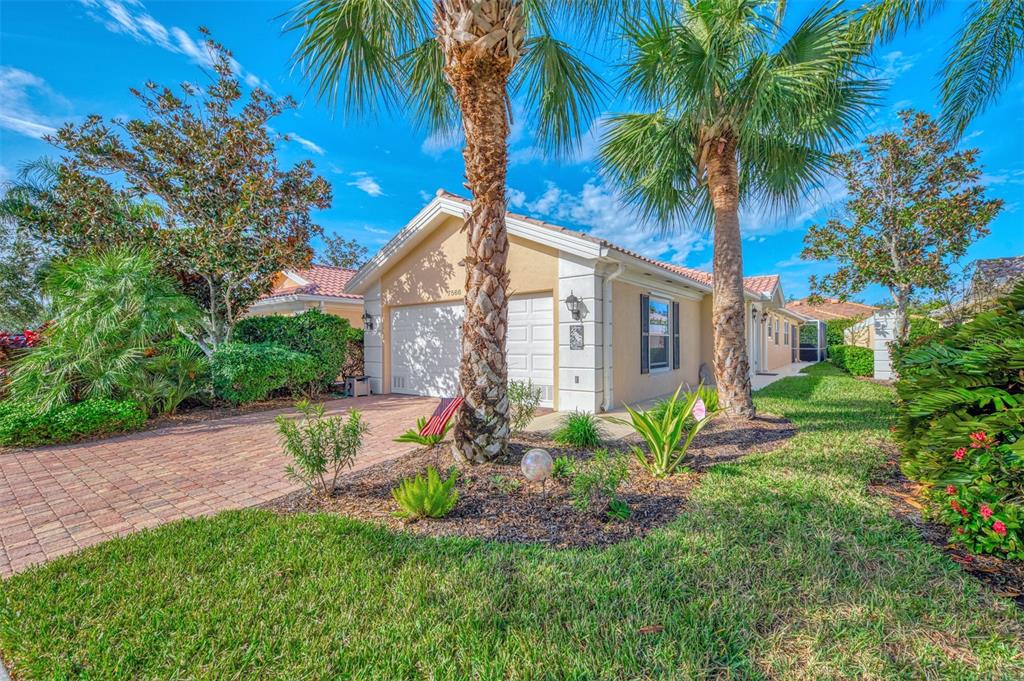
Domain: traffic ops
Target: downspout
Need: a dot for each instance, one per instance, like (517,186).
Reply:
(606,405)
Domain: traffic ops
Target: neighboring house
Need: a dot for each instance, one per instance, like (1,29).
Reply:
(992,278)
(831,308)
(641,327)
(316,287)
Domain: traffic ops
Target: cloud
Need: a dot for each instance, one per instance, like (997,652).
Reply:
(18,113)
(130,17)
(366,183)
(306,144)
(818,204)
(516,198)
(376,230)
(426,196)
(586,151)
(439,143)
(894,64)
(1002,177)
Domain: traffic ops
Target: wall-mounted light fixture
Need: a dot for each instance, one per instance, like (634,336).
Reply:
(368,321)
(573,304)
(764,317)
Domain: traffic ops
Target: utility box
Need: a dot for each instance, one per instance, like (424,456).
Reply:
(357,386)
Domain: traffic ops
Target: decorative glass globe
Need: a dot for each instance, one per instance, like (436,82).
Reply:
(536,465)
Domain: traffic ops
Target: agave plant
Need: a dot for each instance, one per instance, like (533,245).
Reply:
(667,432)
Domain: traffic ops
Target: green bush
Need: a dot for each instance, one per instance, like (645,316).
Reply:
(596,482)
(853,359)
(320,446)
(324,337)
(834,329)
(249,372)
(22,425)
(578,429)
(562,468)
(426,497)
(961,425)
(523,400)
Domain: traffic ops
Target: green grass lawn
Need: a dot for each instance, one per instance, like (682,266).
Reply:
(783,567)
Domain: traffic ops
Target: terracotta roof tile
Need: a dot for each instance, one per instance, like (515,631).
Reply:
(324,280)
(831,308)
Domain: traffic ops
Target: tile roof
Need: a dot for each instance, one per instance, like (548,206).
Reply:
(324,280)
(758,285)
(831,308)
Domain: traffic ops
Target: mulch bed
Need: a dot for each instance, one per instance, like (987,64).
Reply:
(490,508)
(1004,577)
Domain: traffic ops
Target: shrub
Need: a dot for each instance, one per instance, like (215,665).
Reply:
(834,329)
(596,482)
(961,425)
(504,484)
(426,496)
(578,429)
(22,425)
(429,441)
(249,372)
(562,468)
(354,365)
(707,394)
(668,433)
(325,337)
(320,446)
(523,399)
(176,372)
(853,359)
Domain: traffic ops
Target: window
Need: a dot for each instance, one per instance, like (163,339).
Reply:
(776,330)
(785,334)
(658,338)
(769,328)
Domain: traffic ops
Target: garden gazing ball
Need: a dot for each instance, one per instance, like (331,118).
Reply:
(536,465)
(699,410)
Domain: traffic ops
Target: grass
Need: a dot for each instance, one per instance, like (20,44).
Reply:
(783,567)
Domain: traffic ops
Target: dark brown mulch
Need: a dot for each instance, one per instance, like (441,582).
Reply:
(1004,577)
(490,508)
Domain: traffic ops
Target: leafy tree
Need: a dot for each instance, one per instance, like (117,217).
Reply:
(916,206)
(109,311)
(215,206)
(341,252)
(733,115)
(979,67)
(452,59)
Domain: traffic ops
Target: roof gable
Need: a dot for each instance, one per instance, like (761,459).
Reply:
(315,280)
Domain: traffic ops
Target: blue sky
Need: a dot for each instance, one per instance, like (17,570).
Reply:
(64,60)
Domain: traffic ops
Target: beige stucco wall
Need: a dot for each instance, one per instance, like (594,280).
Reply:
(630,386)
(433,273)
(780,353)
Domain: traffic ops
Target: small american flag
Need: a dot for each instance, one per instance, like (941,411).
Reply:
(442,415)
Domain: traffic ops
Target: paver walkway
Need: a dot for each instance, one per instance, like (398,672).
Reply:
(55,500)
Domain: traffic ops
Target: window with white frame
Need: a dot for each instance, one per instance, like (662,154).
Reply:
(769,327)
(660,332)
(785,332)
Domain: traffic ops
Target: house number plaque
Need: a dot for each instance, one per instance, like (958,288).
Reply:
(576,337)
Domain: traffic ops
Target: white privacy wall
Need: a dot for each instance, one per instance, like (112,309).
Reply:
(884,322)
(373,346)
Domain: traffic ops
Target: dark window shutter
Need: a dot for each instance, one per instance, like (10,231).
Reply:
(675,335)
(645,332)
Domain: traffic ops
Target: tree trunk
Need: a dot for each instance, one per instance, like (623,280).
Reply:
(902,301)
(732,367)
(481,42)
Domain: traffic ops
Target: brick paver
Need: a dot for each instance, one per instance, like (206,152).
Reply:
(55,500)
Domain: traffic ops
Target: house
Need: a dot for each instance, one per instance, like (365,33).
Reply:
(991,279)
(640,327)
(316,287)
(831,308)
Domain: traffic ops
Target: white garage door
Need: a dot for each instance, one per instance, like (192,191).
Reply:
(425,343)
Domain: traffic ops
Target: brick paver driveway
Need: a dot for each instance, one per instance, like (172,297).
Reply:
(55,500)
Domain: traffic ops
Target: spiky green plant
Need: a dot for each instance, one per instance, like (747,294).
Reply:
(412,436)
(426,496)
(578,429)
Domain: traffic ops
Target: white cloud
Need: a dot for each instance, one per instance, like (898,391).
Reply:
(308,145)
(970,136)
(516,198)
(366,183)
(1002,177)
(426,196)
(438,143)
(18,88)
(818,204)
(5,174)
(894,64)
(131,18)
(546,203)
(376,230)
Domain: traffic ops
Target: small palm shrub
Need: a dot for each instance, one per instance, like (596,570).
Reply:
(426,496)
(413,436)
(853,359)
(23,425)
(562,468)
(523,400)
(580,430)
(320,446)
(595,483)
(667,433)
(250,372)
(177,371)
(960,422)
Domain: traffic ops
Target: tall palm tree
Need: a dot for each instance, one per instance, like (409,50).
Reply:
(442,61)
(733,115)
(989,47)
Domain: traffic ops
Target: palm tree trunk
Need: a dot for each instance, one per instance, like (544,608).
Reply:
(732,367)
(481,42)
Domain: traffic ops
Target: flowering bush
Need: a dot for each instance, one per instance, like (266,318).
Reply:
(961,425)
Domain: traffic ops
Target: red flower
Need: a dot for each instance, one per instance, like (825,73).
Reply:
(985,512)
(999,528)
(960,454)
(950,489)
(955,506)
(980,440)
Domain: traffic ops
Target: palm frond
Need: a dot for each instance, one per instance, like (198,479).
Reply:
(431,97)
(882,20)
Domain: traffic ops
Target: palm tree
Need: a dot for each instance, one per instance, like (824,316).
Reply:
(452,59)
(734,115)
(981,63)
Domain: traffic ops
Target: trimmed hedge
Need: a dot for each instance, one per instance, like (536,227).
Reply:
(250,372)
(324,337)
(22,426)
(834,329)
(853,359)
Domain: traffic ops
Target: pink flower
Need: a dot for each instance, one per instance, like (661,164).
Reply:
(960,454)
(985,512)
(979,440)
(699,410)
(999,528)
(950,489)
